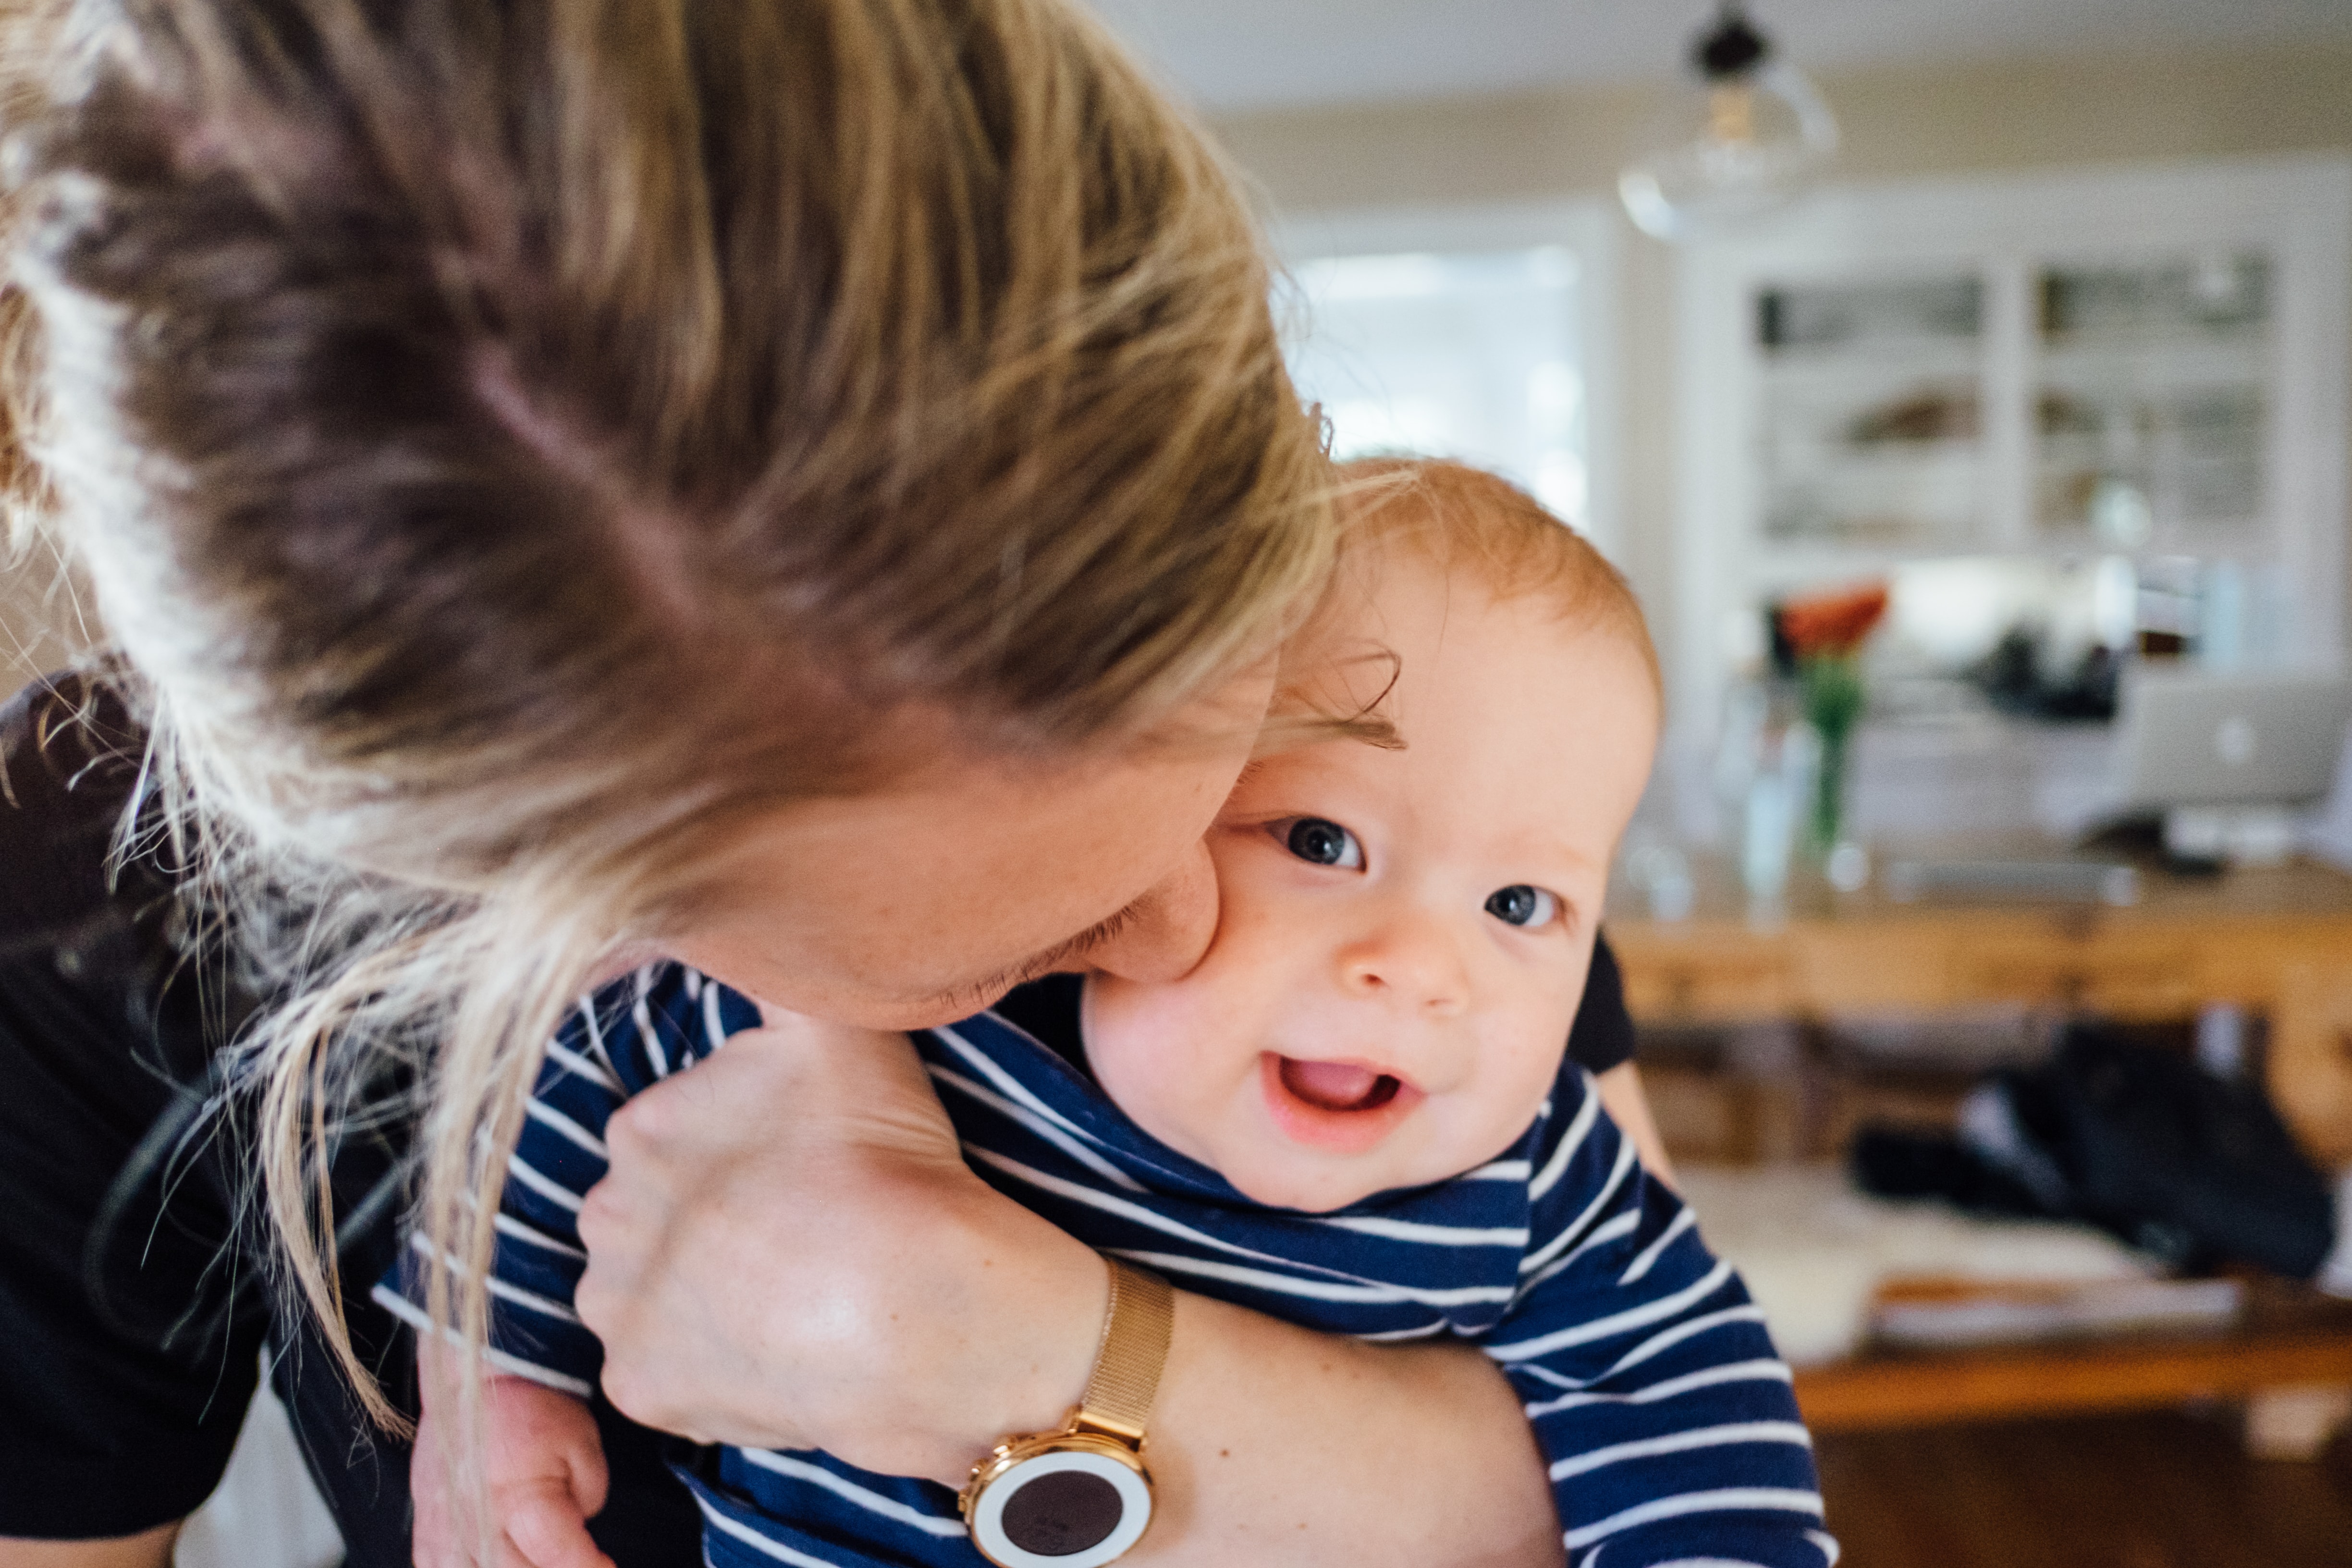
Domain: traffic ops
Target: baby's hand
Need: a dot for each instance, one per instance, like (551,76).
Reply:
(545,1471)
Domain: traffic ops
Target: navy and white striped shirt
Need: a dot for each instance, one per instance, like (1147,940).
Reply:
(1667,1419)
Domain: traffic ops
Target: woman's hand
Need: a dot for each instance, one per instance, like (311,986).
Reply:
(789,1252)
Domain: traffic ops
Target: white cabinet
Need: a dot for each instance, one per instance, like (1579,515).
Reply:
(2136,364)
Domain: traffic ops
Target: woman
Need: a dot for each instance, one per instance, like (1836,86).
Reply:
(808,488)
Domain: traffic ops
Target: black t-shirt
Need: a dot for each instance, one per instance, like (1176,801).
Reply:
(134,1299)
(133,1342)
(133,1305)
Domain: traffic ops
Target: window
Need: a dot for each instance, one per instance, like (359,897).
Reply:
(1478,335)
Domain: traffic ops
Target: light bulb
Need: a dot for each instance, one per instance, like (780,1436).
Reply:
(1743,133)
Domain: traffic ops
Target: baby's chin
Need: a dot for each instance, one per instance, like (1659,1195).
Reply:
(1314,1186)
(1308,1193)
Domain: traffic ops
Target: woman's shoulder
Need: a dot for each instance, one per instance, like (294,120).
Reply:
(70,758)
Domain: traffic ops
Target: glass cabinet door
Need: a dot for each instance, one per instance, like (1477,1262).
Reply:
(1871,412)
(2150,418)
(2132,378)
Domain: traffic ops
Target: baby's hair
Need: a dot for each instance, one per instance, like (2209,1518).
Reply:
(1467,518)
(1457,516)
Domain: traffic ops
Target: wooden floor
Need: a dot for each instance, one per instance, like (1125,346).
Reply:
(2171,1491)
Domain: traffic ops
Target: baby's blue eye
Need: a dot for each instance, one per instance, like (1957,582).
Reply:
(1520,905)
(1322,843)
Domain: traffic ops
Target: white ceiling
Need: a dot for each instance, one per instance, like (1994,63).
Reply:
(1232,55)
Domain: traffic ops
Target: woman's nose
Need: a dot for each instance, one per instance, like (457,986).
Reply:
(1167,929)
(1411,962)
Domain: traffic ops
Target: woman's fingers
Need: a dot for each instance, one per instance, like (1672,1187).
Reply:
(788,1251)
(874,1080)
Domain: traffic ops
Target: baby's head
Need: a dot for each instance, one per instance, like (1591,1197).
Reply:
(1407,922)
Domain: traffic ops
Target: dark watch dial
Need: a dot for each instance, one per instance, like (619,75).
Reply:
(1059,1514)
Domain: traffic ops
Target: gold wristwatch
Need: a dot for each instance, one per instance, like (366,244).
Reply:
(1080,1497)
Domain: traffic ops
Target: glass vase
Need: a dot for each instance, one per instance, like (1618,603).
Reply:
(1833,696)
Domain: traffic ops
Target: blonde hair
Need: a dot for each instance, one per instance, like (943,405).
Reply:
(514,446)
(1466,517)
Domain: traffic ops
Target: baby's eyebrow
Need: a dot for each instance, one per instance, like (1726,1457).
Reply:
(1297,718)
(1568,852)
(1545,844)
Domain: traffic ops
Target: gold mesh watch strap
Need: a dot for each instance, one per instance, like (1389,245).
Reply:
(1136,1328)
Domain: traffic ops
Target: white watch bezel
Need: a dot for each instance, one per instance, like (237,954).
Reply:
(987,1519)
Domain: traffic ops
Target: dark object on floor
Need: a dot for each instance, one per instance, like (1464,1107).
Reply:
(1895,1164)
(2134,1139)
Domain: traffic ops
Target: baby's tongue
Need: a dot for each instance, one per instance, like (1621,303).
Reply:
(1333,1086)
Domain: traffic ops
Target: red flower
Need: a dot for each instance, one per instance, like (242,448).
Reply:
(1832,623)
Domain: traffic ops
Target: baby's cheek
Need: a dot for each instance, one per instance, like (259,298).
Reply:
(1173,1058)
(1138,1042)
(1508,1100)
(1121,1029)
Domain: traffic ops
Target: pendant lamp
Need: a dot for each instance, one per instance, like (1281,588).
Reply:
(1744,132)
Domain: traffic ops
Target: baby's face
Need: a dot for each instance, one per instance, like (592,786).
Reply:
(1404,935)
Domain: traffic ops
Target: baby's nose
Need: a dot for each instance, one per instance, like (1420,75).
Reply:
(1411,962)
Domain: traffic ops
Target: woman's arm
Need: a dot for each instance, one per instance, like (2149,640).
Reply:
(789,1252)
(1275,1444)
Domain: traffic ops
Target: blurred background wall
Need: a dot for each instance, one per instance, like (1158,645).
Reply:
(1942,117)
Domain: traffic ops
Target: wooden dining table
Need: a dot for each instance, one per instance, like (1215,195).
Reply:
(2276,942)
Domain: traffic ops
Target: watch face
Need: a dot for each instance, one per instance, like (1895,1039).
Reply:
(1063,1512)
(1066,1508)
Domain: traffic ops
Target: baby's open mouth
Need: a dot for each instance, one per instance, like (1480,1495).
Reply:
(1340,1107)
(1338,1085)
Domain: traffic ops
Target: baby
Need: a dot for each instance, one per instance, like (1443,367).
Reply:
(1354,1114)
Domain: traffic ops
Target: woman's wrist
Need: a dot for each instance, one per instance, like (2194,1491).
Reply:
(1031,1324)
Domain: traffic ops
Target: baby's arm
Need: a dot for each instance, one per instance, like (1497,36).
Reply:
(1667,1417)
(544,1470)
(544,1473)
